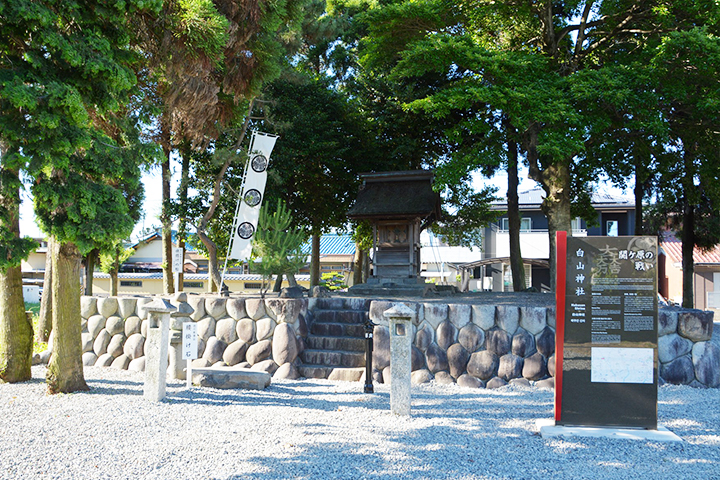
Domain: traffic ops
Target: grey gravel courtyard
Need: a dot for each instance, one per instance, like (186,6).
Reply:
(322,429)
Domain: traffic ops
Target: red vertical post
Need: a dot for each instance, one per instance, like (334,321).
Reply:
(560,285)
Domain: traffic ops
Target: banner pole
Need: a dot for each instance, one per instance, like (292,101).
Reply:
(237,210)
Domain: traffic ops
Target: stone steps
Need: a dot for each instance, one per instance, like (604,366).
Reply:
(353,317)
(335,346)
(341,303)
(333,358)
(348,344)
(346,374)
(337,330)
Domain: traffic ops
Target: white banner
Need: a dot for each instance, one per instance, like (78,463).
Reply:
(248,210)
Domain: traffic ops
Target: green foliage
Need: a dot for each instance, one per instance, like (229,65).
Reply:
(65,69)
(334,281)
(325,144)
(472,213)
(112,258)
(277,243)
(362,235)
(202,27)
(35,309)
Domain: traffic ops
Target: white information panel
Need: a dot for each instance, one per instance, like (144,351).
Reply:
(621,365)
(189,341)
(177,259)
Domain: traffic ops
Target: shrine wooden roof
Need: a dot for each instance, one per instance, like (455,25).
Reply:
(396,195)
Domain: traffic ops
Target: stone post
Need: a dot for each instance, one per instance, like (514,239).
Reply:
(156,345)
(400,318)
(176,365)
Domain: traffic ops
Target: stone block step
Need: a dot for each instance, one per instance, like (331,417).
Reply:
(230,377)
(335,343)
(332,373)
(346,374)
(340,316)
(341,303)
(333,358)
(338,330)
(314,371)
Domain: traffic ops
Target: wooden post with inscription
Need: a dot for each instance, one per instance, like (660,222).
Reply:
(606,354)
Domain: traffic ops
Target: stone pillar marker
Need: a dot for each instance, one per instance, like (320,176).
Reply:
(156,344)
(400,318)
(176,367)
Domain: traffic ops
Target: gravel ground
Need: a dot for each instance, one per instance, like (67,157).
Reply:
(322,429)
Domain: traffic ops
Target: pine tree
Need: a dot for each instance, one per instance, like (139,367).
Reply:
(277,243)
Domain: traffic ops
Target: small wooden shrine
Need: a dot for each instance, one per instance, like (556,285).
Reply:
(399,205)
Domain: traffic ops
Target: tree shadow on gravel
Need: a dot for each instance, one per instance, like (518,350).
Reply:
(494,446)
(113,387)
(478,435)
(282,396)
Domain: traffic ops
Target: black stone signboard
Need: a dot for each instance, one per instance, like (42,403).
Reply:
(607,332)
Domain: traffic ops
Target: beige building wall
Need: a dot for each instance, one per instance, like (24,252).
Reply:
(154,286)
(674,276)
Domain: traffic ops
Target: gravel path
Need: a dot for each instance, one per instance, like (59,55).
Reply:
(322,429)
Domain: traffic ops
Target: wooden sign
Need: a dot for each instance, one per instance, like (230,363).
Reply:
(606,353)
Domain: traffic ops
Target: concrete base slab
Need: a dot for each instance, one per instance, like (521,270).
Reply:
(346,374)
(548,429)
(229,377)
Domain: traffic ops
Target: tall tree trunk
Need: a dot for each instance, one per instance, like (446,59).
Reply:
(688,247)
(639,191)
(114,271)
(555,181)
(315,261)
(114,283)
(278,283)
(357,265)
(166,221)
(16,334)
(90,271)
(214,275)
(366,266)
(213,269)
(516,262)
(183,198)
(45,315)
(65,369)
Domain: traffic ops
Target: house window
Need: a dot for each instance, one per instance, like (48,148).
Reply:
(253,286)
(612,228)
(525,224)
(130,283)
(193,284)
(577,224)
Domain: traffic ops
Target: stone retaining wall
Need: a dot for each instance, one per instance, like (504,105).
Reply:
(265,335)
(485,345)
(473,345)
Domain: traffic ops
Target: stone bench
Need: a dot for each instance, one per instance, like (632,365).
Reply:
(228,377)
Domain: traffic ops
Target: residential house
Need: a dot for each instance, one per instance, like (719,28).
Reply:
(337,254)
(705,278)
(441,261)
(616,217)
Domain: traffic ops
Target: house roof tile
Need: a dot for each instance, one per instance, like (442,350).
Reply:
(332,244)
(671,245)
(534,197)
